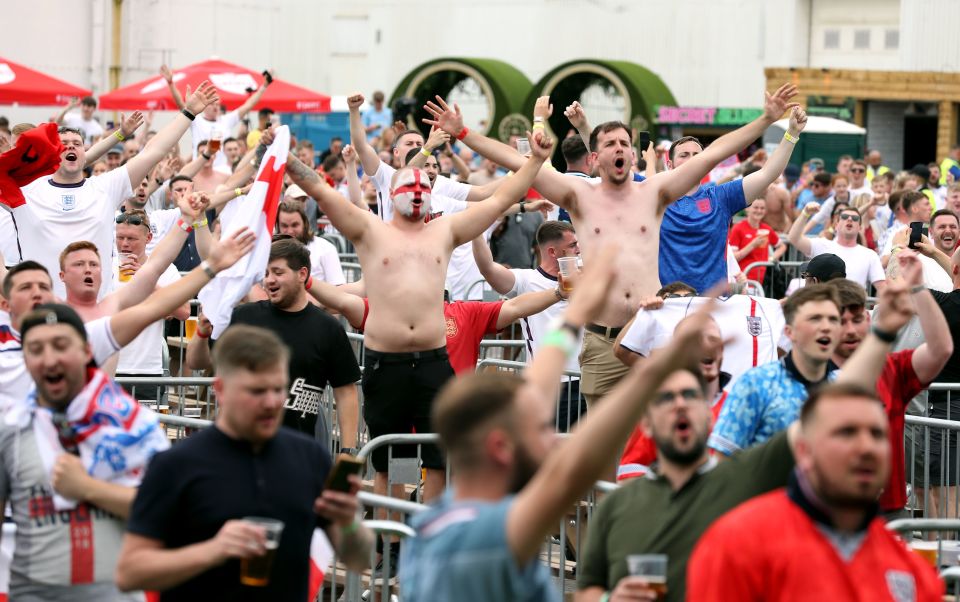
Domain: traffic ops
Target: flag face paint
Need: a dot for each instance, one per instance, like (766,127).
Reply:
(405,194)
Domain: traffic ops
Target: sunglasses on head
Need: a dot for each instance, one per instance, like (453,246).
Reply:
(133,220)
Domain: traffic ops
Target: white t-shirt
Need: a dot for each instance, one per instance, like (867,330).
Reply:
(865,189)
(443,186)
(934,276)
(886,244)
(56,215)
(536,327)
(144,354)
(753,326)
(863,265)
(161,222)
(91,127)
(8,239)
(15,381)
(325,262)
(462,271)
(200,130)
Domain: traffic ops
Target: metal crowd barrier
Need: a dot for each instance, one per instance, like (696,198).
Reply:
(570,403)
(933,454)
(941,553)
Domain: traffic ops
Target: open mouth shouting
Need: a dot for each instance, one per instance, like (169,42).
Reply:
(619,164)
(825,343)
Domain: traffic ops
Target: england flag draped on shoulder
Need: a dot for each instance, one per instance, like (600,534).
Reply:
(257,211)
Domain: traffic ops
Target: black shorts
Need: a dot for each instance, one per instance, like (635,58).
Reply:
(398,393)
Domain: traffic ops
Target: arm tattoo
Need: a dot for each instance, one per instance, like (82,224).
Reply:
(261,151)
(299,171)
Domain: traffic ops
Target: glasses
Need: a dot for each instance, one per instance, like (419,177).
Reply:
(852,217)
(688,395)
(133,220)
(857,170)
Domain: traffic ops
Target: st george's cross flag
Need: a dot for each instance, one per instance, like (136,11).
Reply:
(256,210)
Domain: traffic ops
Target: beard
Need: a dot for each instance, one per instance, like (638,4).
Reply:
(668,450)
(524,467)
(850,497)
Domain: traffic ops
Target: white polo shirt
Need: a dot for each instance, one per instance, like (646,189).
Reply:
(144,354)
(325,262)
(537,326)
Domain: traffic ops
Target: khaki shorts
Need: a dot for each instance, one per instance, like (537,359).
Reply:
(600,370)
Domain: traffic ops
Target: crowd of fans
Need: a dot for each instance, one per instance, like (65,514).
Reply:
(761,435)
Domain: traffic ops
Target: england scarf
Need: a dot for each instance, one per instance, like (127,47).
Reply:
(257,211)
(115,437)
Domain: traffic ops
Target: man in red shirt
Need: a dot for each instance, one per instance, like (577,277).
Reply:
(751,240)
(821,537)
(904,373)
(467,321)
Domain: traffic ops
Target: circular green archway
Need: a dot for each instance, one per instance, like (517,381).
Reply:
(499,89)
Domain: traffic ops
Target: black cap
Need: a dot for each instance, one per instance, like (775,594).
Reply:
(52,313)
(824,268)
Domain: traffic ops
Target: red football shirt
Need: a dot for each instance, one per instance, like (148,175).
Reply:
(467,323)
(897,385)
(741,235)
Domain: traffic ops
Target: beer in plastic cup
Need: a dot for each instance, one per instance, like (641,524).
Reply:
(256,571)
(927,550)
(568,267)
(216,138)
(190,327)
(126,274)
(652,568)
(765,234)
(523,146)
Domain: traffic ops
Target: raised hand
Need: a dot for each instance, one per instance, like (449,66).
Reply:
(574,112)
(541,145)
(349,155)
(798,121)
(911,270)
(447,119)
(230,249)
(594,286)
(166,73)
(399,127)
(194,204)
(129,125)
(354,102)
(776,104)
(811,208)
(436,139)
(894,306)
(542,108)
(203,96)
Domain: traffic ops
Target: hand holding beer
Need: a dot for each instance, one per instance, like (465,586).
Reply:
(633,588)
(255,568)
(569,271)
(238,539)
(128,266)
(648,575)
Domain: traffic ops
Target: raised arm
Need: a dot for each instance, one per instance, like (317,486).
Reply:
(369,159)
(128,127)
(930,357)
(894,310)
(795,236)
(354,191)
(129,323)
(73,104)
(756,183)
(572,468)
(471,223)
(346,217)
(254,98)
(168,76)
(560,189)
(435,140)
(140,165)
(349,305)
(500,277)
(578,119)
(526,305)
(463,170)
(672,185)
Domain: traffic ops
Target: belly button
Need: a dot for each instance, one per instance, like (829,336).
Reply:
(411,327)
(596,230)
(628,295)
(438,260)
(386,260)
(643,228)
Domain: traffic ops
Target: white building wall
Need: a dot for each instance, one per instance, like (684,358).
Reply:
(709,52)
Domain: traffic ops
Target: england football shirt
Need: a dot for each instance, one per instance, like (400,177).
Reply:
(536,327)
(55,215)
(161,221)
(144,354)
(752,327)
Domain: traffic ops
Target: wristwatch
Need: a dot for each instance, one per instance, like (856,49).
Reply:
(349,450)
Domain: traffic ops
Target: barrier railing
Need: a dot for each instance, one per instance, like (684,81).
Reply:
(932,454)
(570,403)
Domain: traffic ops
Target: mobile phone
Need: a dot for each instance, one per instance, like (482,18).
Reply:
(917,231)
(956,173)
(644,141)
(267,77)
(346,465)
(523,146)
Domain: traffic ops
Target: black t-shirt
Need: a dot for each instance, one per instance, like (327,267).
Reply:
(191,490)
(950,305)
(320,354)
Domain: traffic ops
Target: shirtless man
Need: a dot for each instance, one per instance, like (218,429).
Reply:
(208,178)
(779,209)
(614,209)
(404,262)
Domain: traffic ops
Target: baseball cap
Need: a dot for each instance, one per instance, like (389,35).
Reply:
(294,192)
(824,268)
(116,148)
(52,313)
(791,172)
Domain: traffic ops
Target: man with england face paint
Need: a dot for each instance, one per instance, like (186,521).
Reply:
(404,261)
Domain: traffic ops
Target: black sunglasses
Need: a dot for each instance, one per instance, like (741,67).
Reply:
(133,220)
(850,216)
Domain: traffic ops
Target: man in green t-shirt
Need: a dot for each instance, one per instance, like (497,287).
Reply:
(667,511)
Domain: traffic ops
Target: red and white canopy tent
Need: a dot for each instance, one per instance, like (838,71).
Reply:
(24,86)
(231,81)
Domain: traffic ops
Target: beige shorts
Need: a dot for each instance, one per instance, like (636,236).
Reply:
(600,369)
